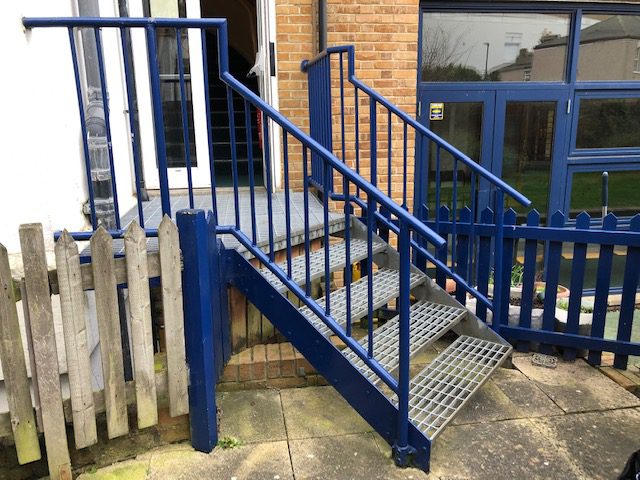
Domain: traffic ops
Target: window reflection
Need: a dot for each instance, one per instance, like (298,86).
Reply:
(609,47)
(492,46)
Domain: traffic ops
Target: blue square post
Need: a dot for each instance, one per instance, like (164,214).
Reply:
(198,326)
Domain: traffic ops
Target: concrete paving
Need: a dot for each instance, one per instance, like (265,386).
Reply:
(571,422)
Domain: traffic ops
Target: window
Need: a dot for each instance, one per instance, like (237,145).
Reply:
(624,194)
(608,123)
(636,61)
(609,47)
(474,47)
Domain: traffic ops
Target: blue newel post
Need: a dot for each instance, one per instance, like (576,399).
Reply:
(198,320)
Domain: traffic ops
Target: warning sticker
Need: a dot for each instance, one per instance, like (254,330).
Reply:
(436,111)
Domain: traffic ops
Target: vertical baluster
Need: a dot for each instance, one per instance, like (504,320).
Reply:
(498,308)
(373,134)
(454,220)
(83,126)
(252,182)
(472,224)
(287,200)
(207,99)
(404,166)
(371,208)
(325,209)
(307,243)
(135,141)
(403,344)
(267,157)
(344,158)
(437,205)
(158,118)
(484,263)
(107,123)
(347,251)
(357,135)
(185,118)
(234,155)
(389,145)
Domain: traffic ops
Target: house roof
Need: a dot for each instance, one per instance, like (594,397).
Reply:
(613,28)
(523,61)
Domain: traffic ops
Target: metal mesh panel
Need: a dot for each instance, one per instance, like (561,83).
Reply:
(440,391)
(386,286)
(337,260)
(427,322)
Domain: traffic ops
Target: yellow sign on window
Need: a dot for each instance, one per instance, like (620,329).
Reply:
(436,111)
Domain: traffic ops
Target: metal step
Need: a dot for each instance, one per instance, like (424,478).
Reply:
(442,389)
(386,286)
(427,323)
(337,261)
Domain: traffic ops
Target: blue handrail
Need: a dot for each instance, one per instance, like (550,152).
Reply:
(475,166)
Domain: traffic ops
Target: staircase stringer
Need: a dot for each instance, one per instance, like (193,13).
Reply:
(328,360)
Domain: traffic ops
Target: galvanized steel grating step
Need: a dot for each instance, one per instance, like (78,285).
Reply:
(427,322)
(440,391)
(337,260)
(386,286)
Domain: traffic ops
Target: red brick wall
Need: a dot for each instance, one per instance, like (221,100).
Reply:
(385,35)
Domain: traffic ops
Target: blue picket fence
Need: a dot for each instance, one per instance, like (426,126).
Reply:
(555,243)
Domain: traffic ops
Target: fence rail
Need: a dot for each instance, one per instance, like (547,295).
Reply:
(50,410)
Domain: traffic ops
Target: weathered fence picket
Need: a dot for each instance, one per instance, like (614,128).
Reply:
(552,277)
(528,278)
(71,279)
(44,349)
(110,335)
(135,245)
(76,343)
(171,275)
(23,423)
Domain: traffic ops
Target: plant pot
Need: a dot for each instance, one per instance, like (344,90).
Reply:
(514,292)
(584,325)
(563,292)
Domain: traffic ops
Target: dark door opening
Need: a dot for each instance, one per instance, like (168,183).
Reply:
(242,20)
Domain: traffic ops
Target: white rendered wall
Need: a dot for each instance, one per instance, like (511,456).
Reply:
(42,176)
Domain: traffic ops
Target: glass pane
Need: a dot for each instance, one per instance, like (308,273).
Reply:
(461,126)
(624,194)
(528,150)
(608,123)
(473,47)
(609,47)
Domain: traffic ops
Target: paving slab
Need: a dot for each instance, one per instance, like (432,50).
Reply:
(528,398)
(576,386)
(489,404)
(259,461)
(599,443)
(512,449)
(251,416)
(345,457)
(319,412)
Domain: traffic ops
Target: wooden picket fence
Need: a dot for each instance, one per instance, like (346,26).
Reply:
(48,412)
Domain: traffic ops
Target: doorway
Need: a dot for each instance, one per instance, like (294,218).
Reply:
(516,134)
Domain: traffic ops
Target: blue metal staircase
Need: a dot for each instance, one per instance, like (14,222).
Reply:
(393,247)
(436,393)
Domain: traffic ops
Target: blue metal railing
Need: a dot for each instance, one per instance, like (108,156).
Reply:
(389,167)
(413,235)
